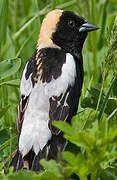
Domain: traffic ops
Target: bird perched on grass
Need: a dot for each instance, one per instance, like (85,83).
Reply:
(50,88)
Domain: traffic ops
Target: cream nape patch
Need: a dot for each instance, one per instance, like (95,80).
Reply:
(48,27)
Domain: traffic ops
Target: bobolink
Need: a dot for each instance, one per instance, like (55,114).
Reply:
(50,88)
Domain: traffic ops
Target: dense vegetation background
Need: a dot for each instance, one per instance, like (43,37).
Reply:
(92,150)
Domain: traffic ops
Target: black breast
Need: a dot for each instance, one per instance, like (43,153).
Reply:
(77,88)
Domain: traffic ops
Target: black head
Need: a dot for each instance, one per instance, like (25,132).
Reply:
(64,29)
(71,31)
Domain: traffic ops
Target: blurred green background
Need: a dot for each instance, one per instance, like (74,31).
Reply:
(20,22)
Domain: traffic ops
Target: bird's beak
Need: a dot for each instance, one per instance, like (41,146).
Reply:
(86,27)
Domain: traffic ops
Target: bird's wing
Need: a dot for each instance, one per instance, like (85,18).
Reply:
(23,102)
(59,108)
(25,90)
(27,84)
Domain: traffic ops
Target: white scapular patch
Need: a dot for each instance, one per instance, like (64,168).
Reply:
(26,85)
(59,85)
(35,132)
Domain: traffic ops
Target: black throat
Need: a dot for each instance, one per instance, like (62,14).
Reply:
(69,46)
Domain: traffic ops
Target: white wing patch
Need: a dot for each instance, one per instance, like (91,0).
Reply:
(35,132)
(26,85)
(67,78)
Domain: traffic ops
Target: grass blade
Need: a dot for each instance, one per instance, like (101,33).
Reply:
(42,12)
(3,20)
(8,142)
(14,82)
(103,107)
(67,4)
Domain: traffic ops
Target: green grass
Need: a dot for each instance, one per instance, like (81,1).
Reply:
(94,128)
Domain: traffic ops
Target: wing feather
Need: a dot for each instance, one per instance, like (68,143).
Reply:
(25,90)
(59,109)
(21,110)
(29,78)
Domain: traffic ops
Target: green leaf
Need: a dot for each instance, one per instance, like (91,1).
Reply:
(89,102)
(109,173)
(77,123)
(82,139)
(77,163)
(95,92)
(51,166)
(70,158)
(3,110)
(69,171)
(9,67)
(65,127)
(82,168)
(112,133)
(103,127)
(23,175)
(47,175)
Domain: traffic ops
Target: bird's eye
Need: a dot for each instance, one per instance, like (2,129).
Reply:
(71,23)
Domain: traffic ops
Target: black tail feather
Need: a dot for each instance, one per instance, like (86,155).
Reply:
(32,161)
(36,166)
(17,161)
(57,144)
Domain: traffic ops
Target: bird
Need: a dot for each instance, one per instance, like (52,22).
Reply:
(50,88)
